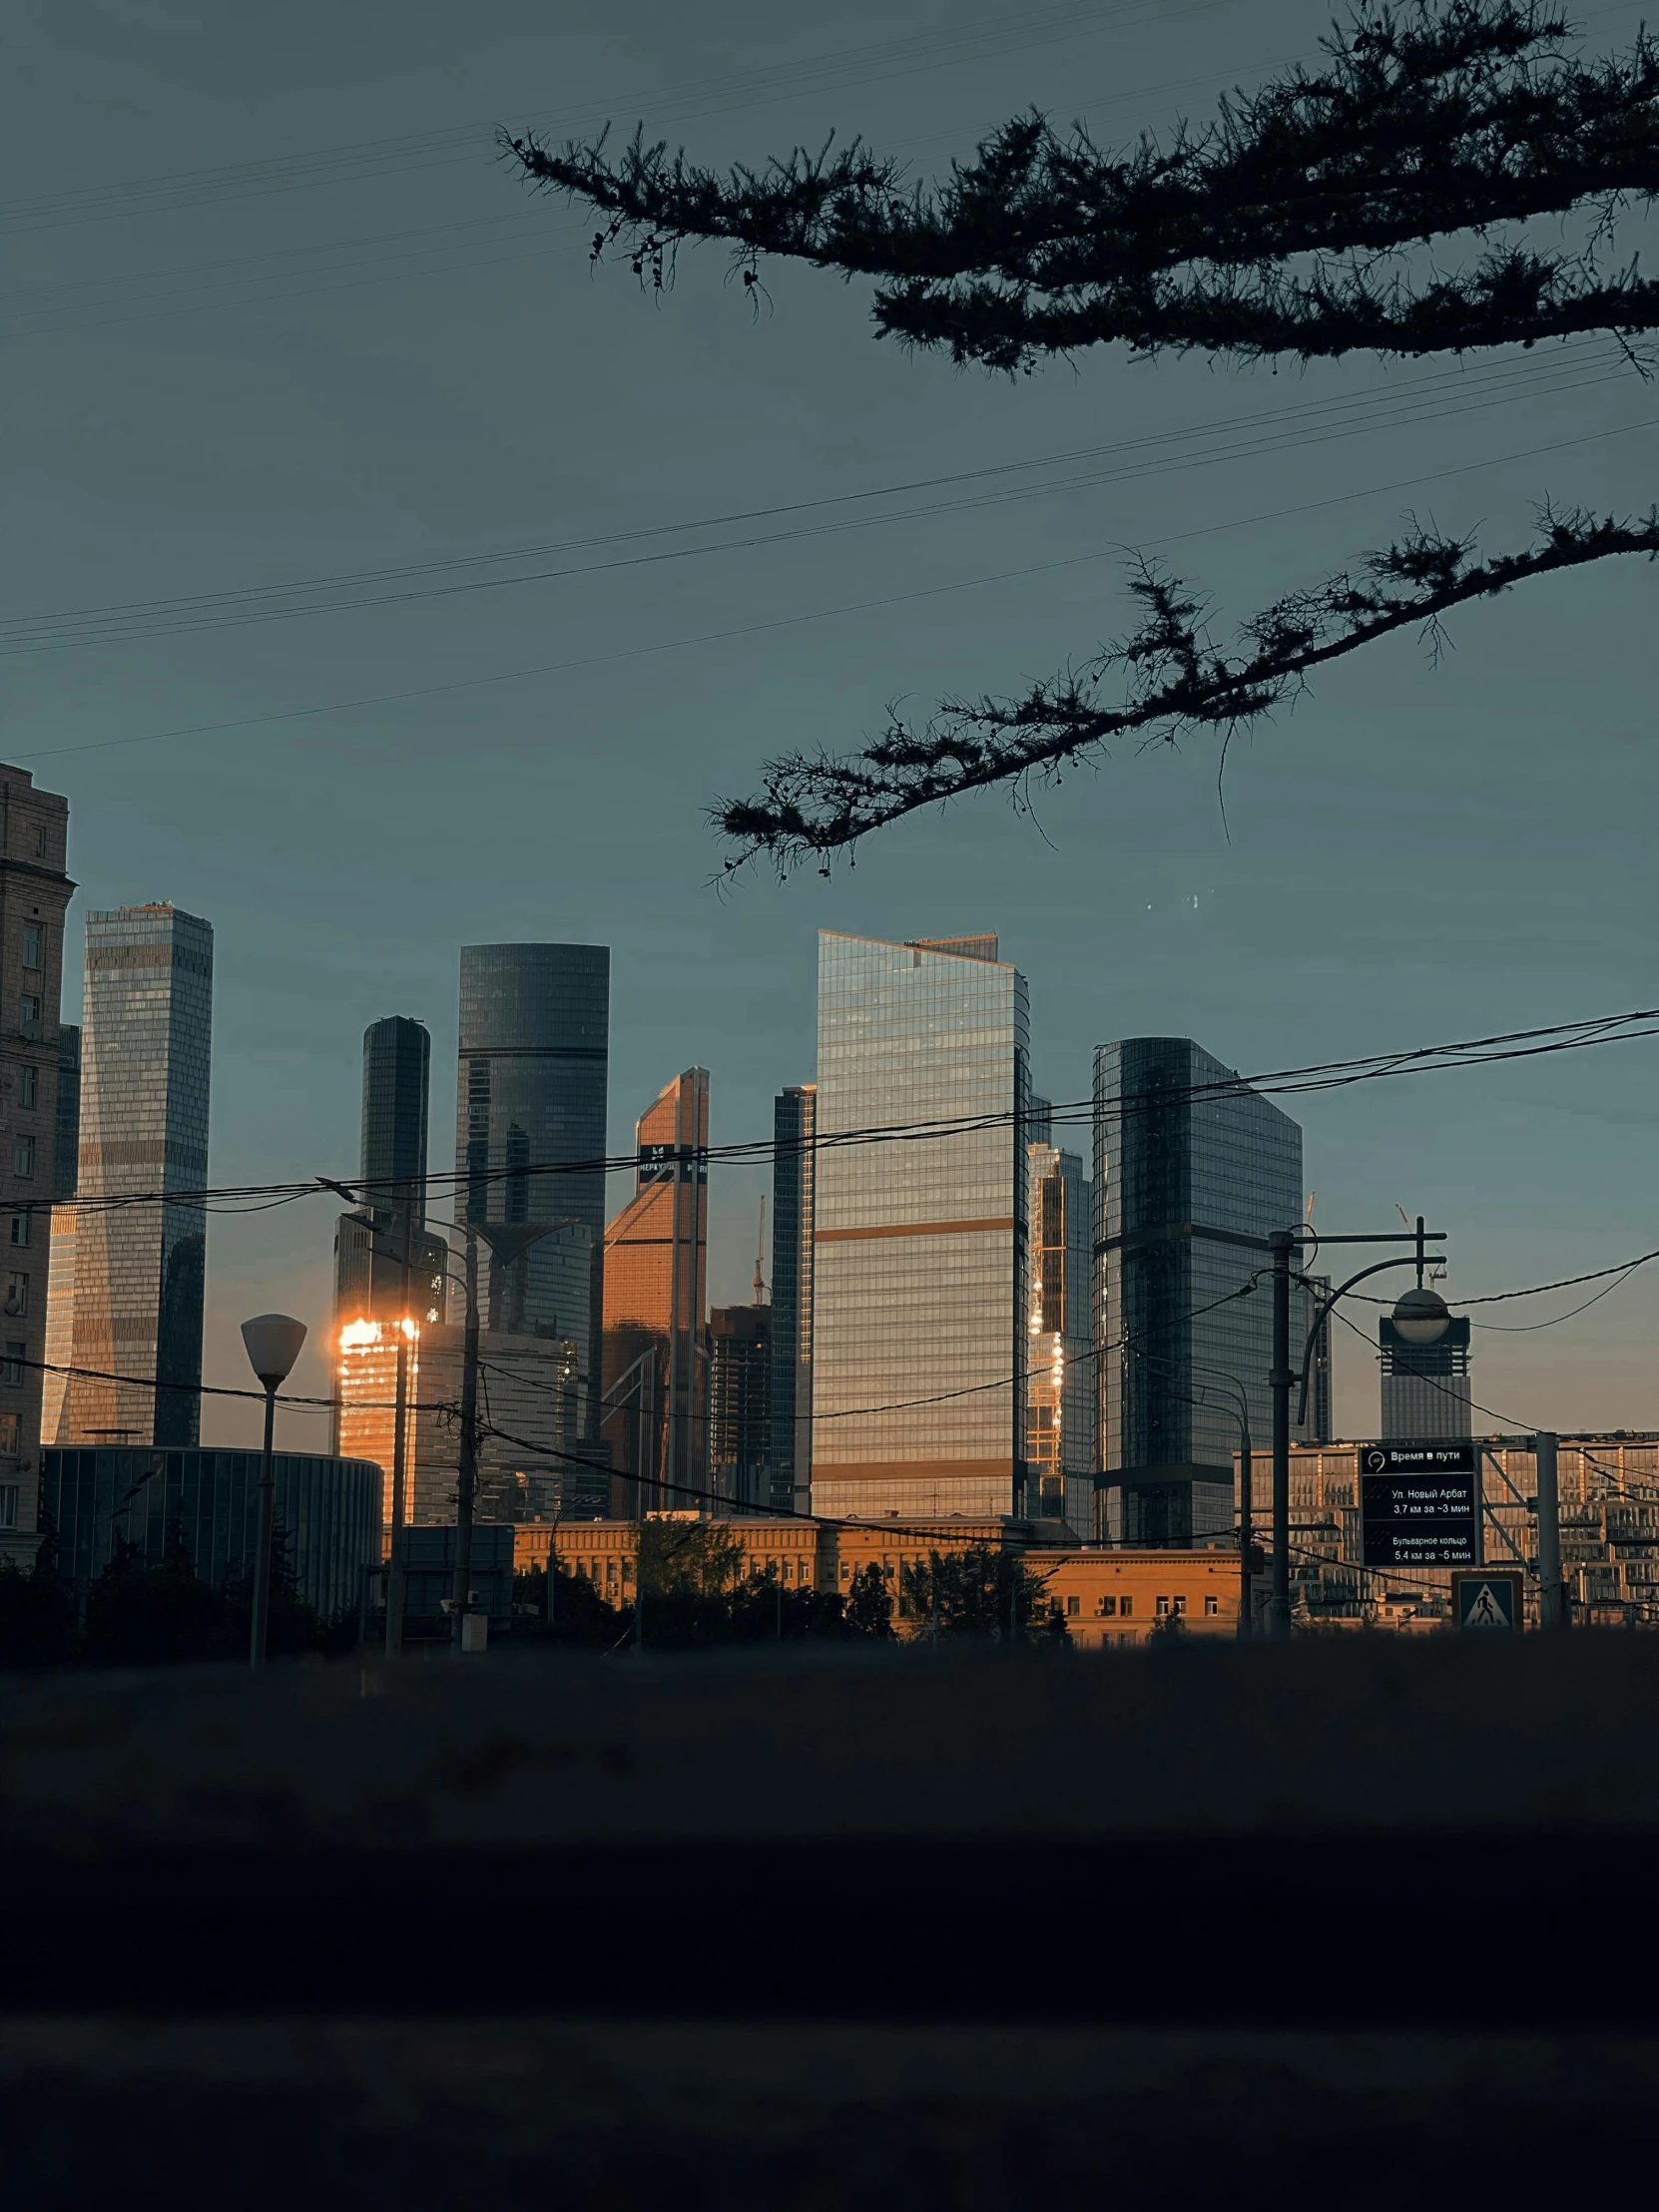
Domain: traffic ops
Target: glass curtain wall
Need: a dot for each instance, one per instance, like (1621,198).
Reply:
(1193,1168)
(919,1275)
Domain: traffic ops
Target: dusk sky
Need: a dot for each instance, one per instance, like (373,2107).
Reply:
(276,311)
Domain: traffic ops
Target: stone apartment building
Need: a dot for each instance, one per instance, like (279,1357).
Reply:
(34,894)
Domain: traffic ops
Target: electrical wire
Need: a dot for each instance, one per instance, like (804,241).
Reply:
(888,58)
(1309,1078)
(819,614)
(1266,432)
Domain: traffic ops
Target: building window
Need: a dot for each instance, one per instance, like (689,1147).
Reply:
(1108,1606)
(9,1423)
(23,1229)
(23,1155)
(1162,1605)
(28,1013)
(40,841)
(28,1085)
(31,945)
(1180,1606)
(11,1368)
(1126,1606)
(8,1504)
(17,1295)
(1211,1606)
(1074,1605)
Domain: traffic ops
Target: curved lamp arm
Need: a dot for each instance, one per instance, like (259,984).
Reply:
(1406,1260)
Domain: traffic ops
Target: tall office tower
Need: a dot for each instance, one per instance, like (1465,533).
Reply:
(397,1057)
(370,1298)
(66,1133)
(533,1464)
(1425,1387)
(139,1270)
(1060,1385)
(530,1136)
(1192,1170)
(34,893)
(656,1291)
(794,1126)
(739,1403)
(919,1318)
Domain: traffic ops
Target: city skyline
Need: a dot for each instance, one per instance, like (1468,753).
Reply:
(140,1273)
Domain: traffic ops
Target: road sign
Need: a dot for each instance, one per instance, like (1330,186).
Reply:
(1489,1600)
(1419,1505)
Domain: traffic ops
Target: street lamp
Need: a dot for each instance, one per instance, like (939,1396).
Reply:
(1421,1315)
(1423,1310)
(274,1342)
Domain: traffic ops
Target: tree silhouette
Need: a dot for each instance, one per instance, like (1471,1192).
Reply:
(1383,203)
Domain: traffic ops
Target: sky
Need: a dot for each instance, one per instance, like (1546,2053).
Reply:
(275,311)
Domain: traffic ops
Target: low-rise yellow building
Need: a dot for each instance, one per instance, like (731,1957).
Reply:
(1105,1597)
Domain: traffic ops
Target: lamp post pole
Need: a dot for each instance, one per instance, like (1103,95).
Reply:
(261,1541)
(273,1341)
(1280,1381)
(467,1479)
(397,1580)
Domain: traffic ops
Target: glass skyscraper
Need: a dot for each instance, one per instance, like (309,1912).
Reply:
(370,1302)
(1060,1386)
(530,1133)
(139,1270)
(1191,1170)
(919,1311)
(397,1057)
(656,1296)
(794,1127)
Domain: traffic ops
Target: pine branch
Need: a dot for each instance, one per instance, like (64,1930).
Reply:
(1174,680)
(1424,123)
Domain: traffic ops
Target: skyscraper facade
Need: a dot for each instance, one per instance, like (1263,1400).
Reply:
(739,1403)
(398,1058)
(370,1301)
(530,1135)
(1425,1387)
(1060,1385)
(919,1304)
(794,1127)
(139,1270)
(66,1135)
(656,1296)
(1192,1172)
(34,893)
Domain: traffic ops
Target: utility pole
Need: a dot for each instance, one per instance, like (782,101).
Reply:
(1280,1242)
(1247,1532)
(397,1572)
(1552,1588)
(460,1594)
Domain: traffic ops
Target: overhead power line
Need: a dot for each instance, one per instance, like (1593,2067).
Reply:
(816,614)
(1366,412)
(1018,31)
(1326,1075)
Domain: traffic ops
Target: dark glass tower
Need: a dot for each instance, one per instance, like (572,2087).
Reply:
(66,1147)
(1193,1168)
(397,1062)
(139,1270)
(530,1132)
(794,1125)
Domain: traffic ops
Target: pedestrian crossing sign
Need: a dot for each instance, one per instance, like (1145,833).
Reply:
(1488,1601)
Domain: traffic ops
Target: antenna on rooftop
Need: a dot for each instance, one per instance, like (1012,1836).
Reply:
(760,1247)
